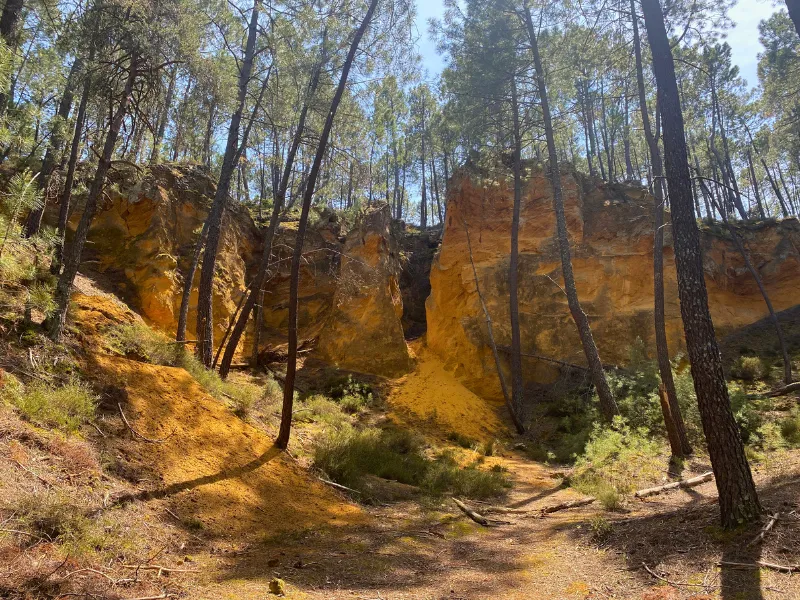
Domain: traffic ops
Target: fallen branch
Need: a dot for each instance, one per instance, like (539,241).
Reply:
(161,597)
(760,537)
(137,434)
(477,517)
(338,486)
(30,535)
(685,483)
(36,475)
(567,505)
(675,583)
(760,564)
(792,387)
(159,568)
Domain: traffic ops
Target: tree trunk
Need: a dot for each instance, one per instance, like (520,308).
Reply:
(279,202)
(188,283)
(490,329)
(163,120)
(69,181)
(673,419)
(205,317)
(517,383)
(754,181)
(794,13)
(179,121)
(608,405)
(9,31)
(54,148)
(737,493)
(787,362)
(291,368)
(73,259)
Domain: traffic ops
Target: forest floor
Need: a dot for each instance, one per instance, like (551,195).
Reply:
(208,509)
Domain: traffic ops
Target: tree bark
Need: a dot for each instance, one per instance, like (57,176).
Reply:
(754,181)
(34,221)
(787,362)
(163,120)
(794,13)
(517,383)
(291,368)
(73,259)
(9,31)
(608,406)
(737,493)
(279,201)
(205,317)
(673,419)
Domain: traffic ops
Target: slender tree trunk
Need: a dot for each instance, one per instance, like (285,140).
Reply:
(205,317)
(424,205)
(54,148)
(737,493)
(608,405)
(517,382)
(490,329)
(73,259)
(179,122)
(436,188)
(69,181)
(291,368)
(163,119)
(627,139)
(9,31)
(212,114)
(279,201)
(659,309)
(754,181)
(787,362)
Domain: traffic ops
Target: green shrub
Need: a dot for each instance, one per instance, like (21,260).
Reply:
(748,368)
(617,458)
(65,407)
(600,529)
(322,410)
(138,341)
(351,394)
(346,454)
(790,427)
(461,440)
(55,517)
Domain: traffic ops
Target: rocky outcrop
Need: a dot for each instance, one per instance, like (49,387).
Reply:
(363,332)
(612,239)
(143,238)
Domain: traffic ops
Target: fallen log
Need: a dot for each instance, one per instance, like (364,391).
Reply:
(477,517)
(792,387)
(760,564)
(567,505)
(685,483)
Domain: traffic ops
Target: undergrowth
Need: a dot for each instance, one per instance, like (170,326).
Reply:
(65,407)
(139,342)
(347,455)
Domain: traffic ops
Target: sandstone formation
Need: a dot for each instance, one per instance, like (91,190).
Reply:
(364,332)
(143,239)
(612,236)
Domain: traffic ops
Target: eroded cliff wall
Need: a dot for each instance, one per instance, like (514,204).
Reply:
(611,230)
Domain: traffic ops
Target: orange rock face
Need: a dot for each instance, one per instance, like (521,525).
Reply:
(143,240)
(611,231)
(364,332)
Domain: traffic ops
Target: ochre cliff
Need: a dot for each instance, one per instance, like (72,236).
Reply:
(143,238)
(364,332)
(611,229)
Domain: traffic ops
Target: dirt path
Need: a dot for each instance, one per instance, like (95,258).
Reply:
(406,552)
(216,497)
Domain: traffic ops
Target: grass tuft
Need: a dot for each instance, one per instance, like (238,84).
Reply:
(64,407)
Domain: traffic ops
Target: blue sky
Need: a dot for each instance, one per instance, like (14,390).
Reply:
(743,38)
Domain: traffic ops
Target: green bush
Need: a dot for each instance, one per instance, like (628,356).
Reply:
(790,427)
(346,454)
(65,407)
(617,458)
(137,340)
(748,368)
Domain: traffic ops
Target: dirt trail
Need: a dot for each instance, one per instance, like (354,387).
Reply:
(252,514)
